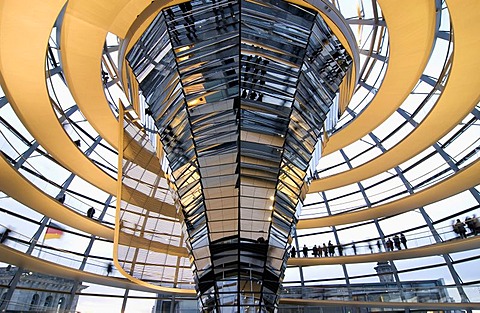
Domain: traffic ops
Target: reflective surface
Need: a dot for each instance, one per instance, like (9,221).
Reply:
(238,92)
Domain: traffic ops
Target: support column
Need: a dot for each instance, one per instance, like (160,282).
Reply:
(448,260)
(379,229)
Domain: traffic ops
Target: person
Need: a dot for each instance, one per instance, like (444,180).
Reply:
(340,250)
(90,212)
(261,240)
(403,240)
(459,228)
(379,246)
(370,247)
(354,247)
(305,251)
(325,250)
(331,248)
(389,244)
(293,252)
(315,251)
(109,268)
(396,242)
(319,250)
(4,235)
(470,224)
(476,223)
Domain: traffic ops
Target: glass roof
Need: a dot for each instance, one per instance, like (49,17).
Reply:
(89,248)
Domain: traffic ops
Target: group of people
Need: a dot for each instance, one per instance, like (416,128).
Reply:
(328,250)
(317,251)
(471,223)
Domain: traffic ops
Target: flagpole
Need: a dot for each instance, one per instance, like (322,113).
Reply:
(43,241)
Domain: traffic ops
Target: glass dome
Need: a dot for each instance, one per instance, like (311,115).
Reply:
(392,186)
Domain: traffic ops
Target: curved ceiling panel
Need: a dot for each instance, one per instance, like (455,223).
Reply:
(34,108)
(460,96)
(462,180)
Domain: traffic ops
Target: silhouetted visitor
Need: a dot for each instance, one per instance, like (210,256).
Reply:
(396,242)
(354,247)
(315,251)
(319,250)
(90,212)
(379,246)
(331,248)
(293,252)
(4,235)
(389,244)
(109,268)
(459,228)
(105,77)
(476,224)
(403,240)
(305,251)
(370,247)
(325,250)
(471,225)
(340,250)
(260,240)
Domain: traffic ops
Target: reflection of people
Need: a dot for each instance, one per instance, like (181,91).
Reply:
(90,212)
(293,252)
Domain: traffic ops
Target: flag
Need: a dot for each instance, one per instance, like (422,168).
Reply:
(53,231)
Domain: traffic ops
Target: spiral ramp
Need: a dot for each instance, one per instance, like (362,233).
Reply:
(406,144)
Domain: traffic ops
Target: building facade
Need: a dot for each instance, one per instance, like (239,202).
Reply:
(38,292)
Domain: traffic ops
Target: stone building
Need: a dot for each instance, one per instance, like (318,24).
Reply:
(38,292)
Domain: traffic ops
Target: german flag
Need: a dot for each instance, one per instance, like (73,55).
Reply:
(54,231)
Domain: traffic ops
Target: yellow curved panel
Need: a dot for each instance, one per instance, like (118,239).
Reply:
(462,180)
(386,304)
(84,29)
(20,259)
(19,188)
(430,250)
(411,30)
(126,250)
(459,97)
(127,15)
(22,63)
